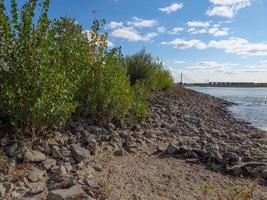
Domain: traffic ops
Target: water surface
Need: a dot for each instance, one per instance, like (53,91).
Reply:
(251,102)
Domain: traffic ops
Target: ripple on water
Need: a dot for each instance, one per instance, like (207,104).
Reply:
(251,103)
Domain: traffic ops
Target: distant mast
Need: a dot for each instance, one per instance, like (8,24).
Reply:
(181,79)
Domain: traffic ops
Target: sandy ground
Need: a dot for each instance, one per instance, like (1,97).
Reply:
(148,177)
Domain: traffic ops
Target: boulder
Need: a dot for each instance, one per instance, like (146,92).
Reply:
(35,175)
(79,153)
(49,163)
(264,174)
(171,149)
(72,193)
(34,156)
(36,188)
(56,153)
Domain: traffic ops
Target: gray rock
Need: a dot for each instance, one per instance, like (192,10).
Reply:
(34,156)
(67,183)
(35,174)
(93,184)
(10,148)
(87,197)
(98,167)
(59,174)
(56,153)
(79,153)
(36,188)
(264,174)
(73,193)
(49,163)
(231,158)
(171,149)
(119,152)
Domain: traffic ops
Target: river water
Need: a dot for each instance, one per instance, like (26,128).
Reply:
(251,102)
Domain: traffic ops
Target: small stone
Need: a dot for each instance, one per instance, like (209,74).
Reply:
(264,174)
(72,193)
(35,175)
(98,167)
(36,188)
(93,184)
(171,149)
(11,148)
(59,174)
(56,153)
(2,190)
(34,156)
(67,183)
(79,153)
(119,152)
(49,163)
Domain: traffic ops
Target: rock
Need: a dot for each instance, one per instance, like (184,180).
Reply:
(217,156)
(119,152)
(87,197)
(93,184)
(35,175)
(264,174)
(98,167)
(171,149)
(94,130)
(231,158)
(2,190)
(67,183)
(56,153)
(85,172)
(59,174)
(79,153)
(10,148)
(49,163)
(36,188)
(34,156)
(73,193)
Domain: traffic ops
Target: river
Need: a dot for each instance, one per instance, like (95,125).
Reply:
(251,102)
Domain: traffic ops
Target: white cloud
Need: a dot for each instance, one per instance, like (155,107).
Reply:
(161,29)
(178,62)
(149,36)
(172,8)
(127,33)
(175,30)
(240,46)
(198,24)
(216,30)
(114,24)
(142,23)
(227,8)
(185,44)
(232,45)
(130,34)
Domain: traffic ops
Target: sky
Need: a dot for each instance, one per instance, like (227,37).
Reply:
(207,40)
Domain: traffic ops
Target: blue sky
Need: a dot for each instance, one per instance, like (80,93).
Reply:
(215,40)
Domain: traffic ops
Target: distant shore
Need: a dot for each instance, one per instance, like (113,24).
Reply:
(241,85)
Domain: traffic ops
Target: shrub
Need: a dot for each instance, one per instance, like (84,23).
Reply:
(143,67)
(139,100)
(105,91)
(35,90)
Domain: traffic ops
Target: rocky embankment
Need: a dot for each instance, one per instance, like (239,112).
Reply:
(182,124)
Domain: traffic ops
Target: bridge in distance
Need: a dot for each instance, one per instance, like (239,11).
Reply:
(186,81)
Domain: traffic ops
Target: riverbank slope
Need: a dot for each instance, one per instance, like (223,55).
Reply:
(188,140)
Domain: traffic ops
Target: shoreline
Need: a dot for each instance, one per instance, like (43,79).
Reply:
(183,127)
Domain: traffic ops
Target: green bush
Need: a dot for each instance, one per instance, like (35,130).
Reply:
(105,87)
(139,100)
(35,90)
(143,67)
